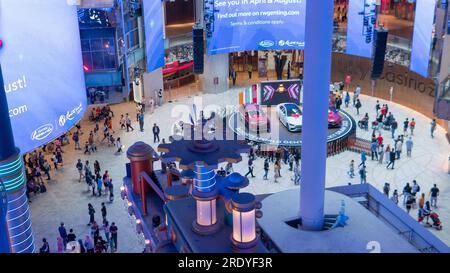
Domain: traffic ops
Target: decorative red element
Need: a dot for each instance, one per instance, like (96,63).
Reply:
(175,66)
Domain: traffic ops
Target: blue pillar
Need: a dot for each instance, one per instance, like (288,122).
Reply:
(15,224)
(319,30)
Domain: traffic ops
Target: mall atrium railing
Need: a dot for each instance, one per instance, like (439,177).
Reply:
(385,209)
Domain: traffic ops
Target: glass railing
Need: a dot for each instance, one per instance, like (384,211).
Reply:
(181,39)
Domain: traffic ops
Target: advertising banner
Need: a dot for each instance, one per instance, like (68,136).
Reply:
(276,92)
(362,18)
(239,25)
(42,69)
(154,34)
(422,36)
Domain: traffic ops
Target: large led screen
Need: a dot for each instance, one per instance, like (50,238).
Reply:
(154,34)
(277,92)
(42,69)
(239,25)
(362,18)
(422,35)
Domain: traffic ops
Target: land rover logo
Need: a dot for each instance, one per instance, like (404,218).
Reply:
(267,43)
(42,132)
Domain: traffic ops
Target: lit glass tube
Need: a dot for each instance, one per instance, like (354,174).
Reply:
(206,212)
(244,226)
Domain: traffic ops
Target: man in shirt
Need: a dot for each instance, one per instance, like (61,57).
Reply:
(113,230)
(63,233)
(155,131)
(434,193)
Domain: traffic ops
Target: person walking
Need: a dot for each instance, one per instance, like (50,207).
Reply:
(374,150)
(113,230)
(434,193)
(297,173)
(363,174)
(358,105)
(46,167)
(291,160)
(105,227)
(128,123)
(97,168)
(250,167)
(104,212)
(386,189)
(351,171)
(394,197)
(155,131)
(347,99)
(391,159)
(141,121)
(63,233)
(99,181)
(160,97)
(118,146)
(409,145)
(412,126)
(122,122)
(398,147)
(266,168)
(276,169)
(233,76)
(91,211)
(380,154)
(433,127)
(394,126)
(406,192)
(76,140)
(405,127)
(409,204)
(363,159)
(422,200)
(377,108)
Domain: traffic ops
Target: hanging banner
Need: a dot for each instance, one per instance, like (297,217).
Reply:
(154,33)
(42,69)
(362,17)
(422,36)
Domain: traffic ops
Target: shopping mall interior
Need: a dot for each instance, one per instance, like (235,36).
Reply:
(225,126)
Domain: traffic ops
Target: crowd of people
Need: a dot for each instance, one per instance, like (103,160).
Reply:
(92,243)
(384,153)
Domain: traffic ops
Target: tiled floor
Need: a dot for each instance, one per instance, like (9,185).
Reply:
(66,199)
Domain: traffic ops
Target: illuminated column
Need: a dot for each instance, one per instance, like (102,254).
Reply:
(16,226)
(319,29)
(205,194)
(244,237)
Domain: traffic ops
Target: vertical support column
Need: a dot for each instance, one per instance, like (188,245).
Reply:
(16,234)
(319,29)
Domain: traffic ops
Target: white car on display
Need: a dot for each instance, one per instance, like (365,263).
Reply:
(290,116)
